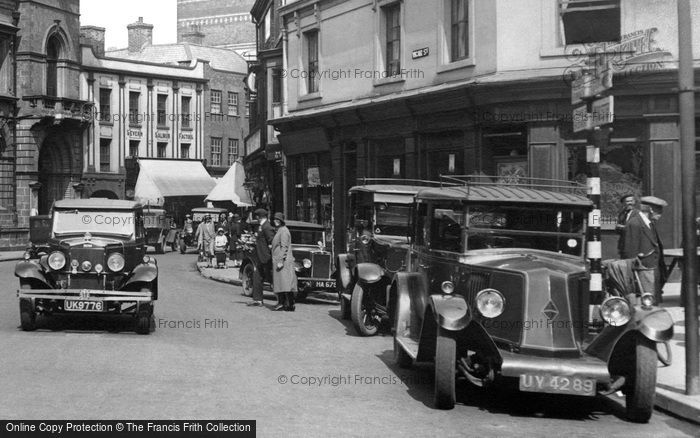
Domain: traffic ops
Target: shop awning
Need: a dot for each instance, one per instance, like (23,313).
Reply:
(159,179)
(230,187)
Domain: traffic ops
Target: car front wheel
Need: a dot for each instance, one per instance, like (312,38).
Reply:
(642,381)
(247,279)
(362,313)
(445,362)
(27,314)
(145,322)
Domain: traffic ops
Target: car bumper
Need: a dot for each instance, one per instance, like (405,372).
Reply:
(85,294)
(514,365)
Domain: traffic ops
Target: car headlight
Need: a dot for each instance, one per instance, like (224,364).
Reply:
(648,301)
(615,311)
(447,287)
(115,262)
(86,266)
(146,259)
(490,303)
(57,260)
(307,263)
(26,256)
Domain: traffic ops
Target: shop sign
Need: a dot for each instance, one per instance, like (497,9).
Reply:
(592,82)
(134,133)
(162,135)
(186,136)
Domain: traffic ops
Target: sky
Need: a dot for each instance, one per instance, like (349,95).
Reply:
(114,16)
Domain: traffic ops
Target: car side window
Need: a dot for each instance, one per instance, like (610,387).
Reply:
(446,227)
(419,227)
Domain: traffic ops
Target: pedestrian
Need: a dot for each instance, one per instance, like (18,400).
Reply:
(263,240)
(223,223)
(628,204)
(207,234)
(284,278)
(641,239)
(235,231)
(220,247)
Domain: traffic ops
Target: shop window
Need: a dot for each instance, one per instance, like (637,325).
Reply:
(589,21)
(215,102)
(105,146)
(105,104)
(310,188)
(185,110)
(161,109)
(134,118)
(387,158)
(134,148)
(504,152)
(392,39)
(216,151)
(162,150)
(459,30)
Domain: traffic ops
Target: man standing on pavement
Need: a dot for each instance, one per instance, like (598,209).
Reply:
(641,239)
(263,240)
(235,231)
(628,205)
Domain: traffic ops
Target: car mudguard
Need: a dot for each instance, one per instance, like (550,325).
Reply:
(343,270)
(143,273)
(31,271)
(368,273)
(451,312)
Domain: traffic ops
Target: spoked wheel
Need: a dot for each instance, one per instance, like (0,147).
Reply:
(247,280)
(362,313)
(445,368)
(641,384)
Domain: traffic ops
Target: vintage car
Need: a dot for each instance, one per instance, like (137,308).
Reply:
(313,261)
(377,239)
(160,229)
(186,237)
(497,287)
(93,262)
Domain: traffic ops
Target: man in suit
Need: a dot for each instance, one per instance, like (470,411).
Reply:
(628,206)
(263,240)
(641,239)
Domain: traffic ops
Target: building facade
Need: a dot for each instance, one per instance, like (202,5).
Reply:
(218,23)
(415,89)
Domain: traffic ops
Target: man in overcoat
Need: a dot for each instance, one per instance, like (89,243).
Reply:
(284,278)
(641,239)
(263,240)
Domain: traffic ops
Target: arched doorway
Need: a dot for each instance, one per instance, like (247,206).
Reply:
(54,171)
(104,194)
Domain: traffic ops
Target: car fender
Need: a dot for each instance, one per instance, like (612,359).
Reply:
(451,312)
(143,273)
(343,271)
(655,324)
(407,289)
(247,261)
(31,271)
(368,273)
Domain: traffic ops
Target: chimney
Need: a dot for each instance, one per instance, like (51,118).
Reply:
(140,35)
(94,37)
(194,36)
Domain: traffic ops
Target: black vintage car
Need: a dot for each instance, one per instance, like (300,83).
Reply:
(496,287)
(160,230)
(313,261)
(93,262)
(378,236)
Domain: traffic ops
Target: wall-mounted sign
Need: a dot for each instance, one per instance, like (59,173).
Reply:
(162,135)
(420,53)
(186,136)
(592,83)
(134,133)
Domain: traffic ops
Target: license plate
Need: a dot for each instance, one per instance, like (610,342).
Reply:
(83,306)
(557,384)
(329,284)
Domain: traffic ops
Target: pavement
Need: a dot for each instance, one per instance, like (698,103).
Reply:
(6,256)
(670,387)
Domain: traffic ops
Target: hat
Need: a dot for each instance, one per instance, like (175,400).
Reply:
(279,216)
(236,216)
(230,214)
(653,201)
(220,230)
(261,212)
(188,215)
(207,216)
(623,197)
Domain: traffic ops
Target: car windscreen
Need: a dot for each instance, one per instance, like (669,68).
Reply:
(121,223)
(549,228)
(302,236)
(392,219)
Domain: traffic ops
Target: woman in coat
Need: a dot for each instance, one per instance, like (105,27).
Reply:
(284,279)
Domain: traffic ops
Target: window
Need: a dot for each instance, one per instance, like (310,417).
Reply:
(184,150)
(232,150)
(392,54)
(134,107)
(247,108)
(589,21)
(185,110)
(312,61)
(105,107)
(232,103)
(277,86)
(105,146)
(53,50)
(133,148)
(459,30)
(215,102)
(216,151)
(161,109)
(162,150)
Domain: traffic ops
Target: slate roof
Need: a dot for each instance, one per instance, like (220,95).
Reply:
(219,59)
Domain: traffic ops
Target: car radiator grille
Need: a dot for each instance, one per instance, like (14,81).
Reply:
(93,255)
(85,282)
(321,267)
(476,282)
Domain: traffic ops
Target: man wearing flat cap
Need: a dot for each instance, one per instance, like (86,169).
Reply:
(263,240)
(628,204)
(641,239)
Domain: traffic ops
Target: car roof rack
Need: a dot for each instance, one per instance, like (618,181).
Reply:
(552,185)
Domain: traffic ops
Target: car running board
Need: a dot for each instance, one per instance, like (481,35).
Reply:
(409,346)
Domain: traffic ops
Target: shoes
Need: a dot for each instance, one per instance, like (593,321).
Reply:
(255,304)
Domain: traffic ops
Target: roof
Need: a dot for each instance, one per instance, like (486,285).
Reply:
(392,189)
(209,210)
(159,179)
(501,193)
(97,203)
(219,59)
(230,187)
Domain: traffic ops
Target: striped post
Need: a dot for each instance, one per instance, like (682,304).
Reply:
(594,244)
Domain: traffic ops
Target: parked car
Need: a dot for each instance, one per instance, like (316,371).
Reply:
(94,262)
(496,287)
(378,236)
(313,261)
(159,229)
(186,238)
